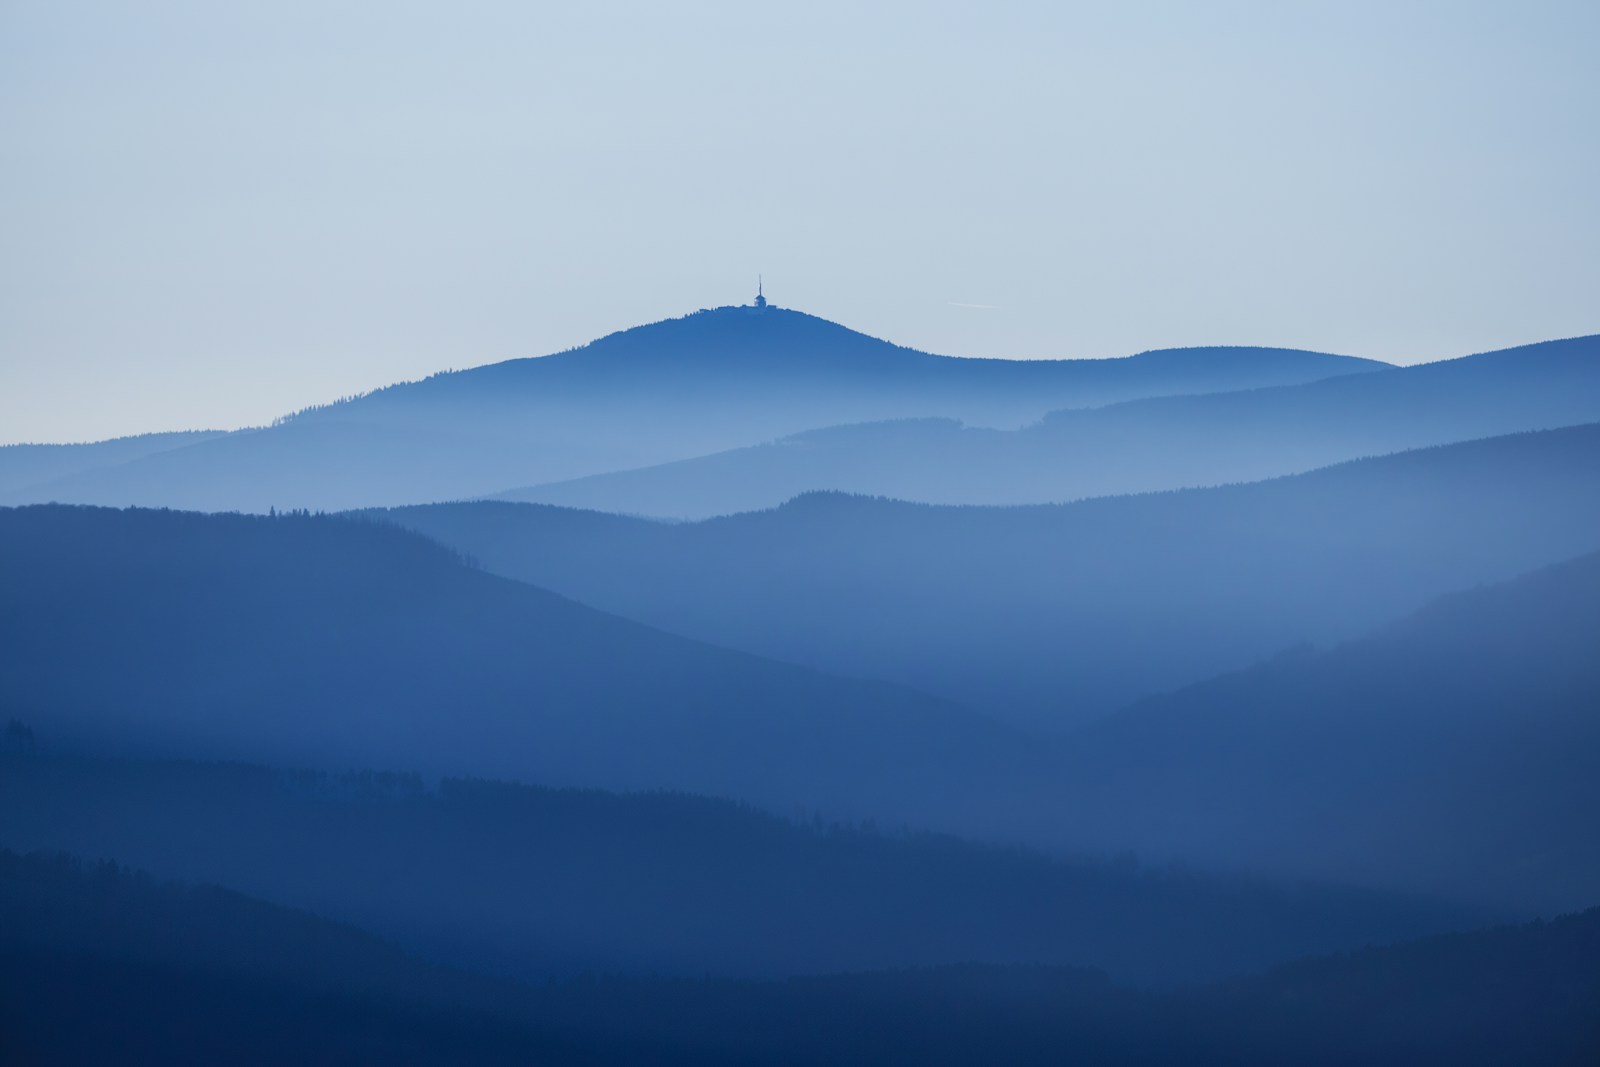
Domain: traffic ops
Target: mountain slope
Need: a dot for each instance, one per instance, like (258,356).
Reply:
(1052,615)
(1142,445)
(200,974)
(25,466)
(329,641)
(710,381)
(1525,994)
(1458,749)
(536,882)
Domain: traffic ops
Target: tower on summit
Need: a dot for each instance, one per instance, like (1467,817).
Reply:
(761,298)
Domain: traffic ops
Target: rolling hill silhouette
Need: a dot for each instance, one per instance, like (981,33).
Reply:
(202,974)
(23,466)
(1052,615)
(326,641)
(1137,446)
(535,882)
(710,381)
(199,974)
(1457,750)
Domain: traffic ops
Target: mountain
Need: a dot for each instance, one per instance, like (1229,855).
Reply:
(183,974)
(1161,443)
(25,466)
(337,642)
(1516,994)
(200,974)
(536,882)
(710,381)
(1053,615)
(1456,750)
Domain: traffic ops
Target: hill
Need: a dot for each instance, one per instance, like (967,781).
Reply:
(1139,446)
(537,882)
(102,964)
(1053,615)
(1455,751)
(335,642)
(710,381)
(171,984)
(24,466)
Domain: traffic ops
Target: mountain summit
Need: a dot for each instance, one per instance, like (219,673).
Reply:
(716,379)
(1145,445)
(752,346)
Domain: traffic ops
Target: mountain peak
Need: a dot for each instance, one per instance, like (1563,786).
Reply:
(717,379)
(757,332)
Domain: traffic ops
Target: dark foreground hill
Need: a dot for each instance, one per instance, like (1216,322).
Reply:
(710,381)
(196,975)
(1143,445)
(537,882)
(1053,615)
(335,642)
(1457,751)
(100,964)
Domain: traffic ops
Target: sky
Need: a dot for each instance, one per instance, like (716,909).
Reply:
(212,214)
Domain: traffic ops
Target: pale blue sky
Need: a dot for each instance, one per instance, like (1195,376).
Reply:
(212,213)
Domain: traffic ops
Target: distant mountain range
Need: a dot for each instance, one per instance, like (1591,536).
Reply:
(1450,755)
(1169,442)
(710,381)
(335,642)
(958,696)
(1049,616)
(1453,751)
(736,409)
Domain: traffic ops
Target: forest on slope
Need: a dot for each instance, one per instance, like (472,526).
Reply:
(187,973)
(536,882)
